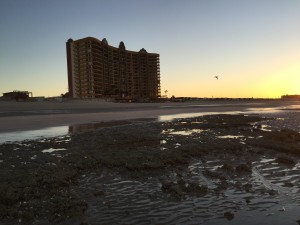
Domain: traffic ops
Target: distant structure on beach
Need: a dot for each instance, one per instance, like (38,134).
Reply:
(98,70)
(17,95)
(290,97)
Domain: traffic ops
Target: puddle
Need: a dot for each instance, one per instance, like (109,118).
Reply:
(177,145)
(33,157)
(186,132)
(247,110)
(267,160)
(190,115)
(199,105)
(265,109)
(297,166)
(231,136)
(84,127)
(206,105)
(50,150)
(33,134)
(167,131)
(50,132)
(45,133)
(291,107)
(163,142)
(262,127)
(265,128)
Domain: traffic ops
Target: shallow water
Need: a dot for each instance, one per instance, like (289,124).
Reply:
(50,150)
(126,201)
(190,115)
(247,110)
(231,136)
(186,132)
(33,134)
(64,130)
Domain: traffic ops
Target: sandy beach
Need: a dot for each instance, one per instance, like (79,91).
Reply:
(122,165)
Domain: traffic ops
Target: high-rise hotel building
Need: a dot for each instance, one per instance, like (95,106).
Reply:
(96,70)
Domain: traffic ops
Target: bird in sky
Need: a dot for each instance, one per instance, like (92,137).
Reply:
(217,77)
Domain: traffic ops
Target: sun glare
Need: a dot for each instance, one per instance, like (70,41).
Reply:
(281,82)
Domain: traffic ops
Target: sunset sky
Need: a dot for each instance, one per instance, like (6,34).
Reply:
(252,45)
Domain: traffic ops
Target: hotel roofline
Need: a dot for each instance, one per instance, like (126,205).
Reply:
(116,48)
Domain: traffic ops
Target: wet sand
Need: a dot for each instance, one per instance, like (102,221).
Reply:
(212,169)
(18,116)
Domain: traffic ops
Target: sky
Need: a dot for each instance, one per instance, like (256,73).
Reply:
(253,46)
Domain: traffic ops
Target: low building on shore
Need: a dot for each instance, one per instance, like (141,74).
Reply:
(290,97)
(17,95)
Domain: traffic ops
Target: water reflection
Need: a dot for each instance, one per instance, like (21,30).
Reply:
(186,132)
(64,130)
(265,109)
(247,110)
(231,136)
(50,132)
(33,134)
(190,115)
(50,150)
(291,107)
(84,127)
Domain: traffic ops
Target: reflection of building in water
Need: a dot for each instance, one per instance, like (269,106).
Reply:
(96,69)
(75,128)
(84,127)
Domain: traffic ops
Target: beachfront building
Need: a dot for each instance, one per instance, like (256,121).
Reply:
(17,95)
(98,70)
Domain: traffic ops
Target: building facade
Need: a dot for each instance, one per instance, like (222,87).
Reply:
(98,70)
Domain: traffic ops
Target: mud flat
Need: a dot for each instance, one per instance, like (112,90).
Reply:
(212,169)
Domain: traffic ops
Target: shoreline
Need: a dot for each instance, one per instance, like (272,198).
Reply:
(23,116)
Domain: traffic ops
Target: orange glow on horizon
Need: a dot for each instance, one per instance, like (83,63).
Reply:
(279,82)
